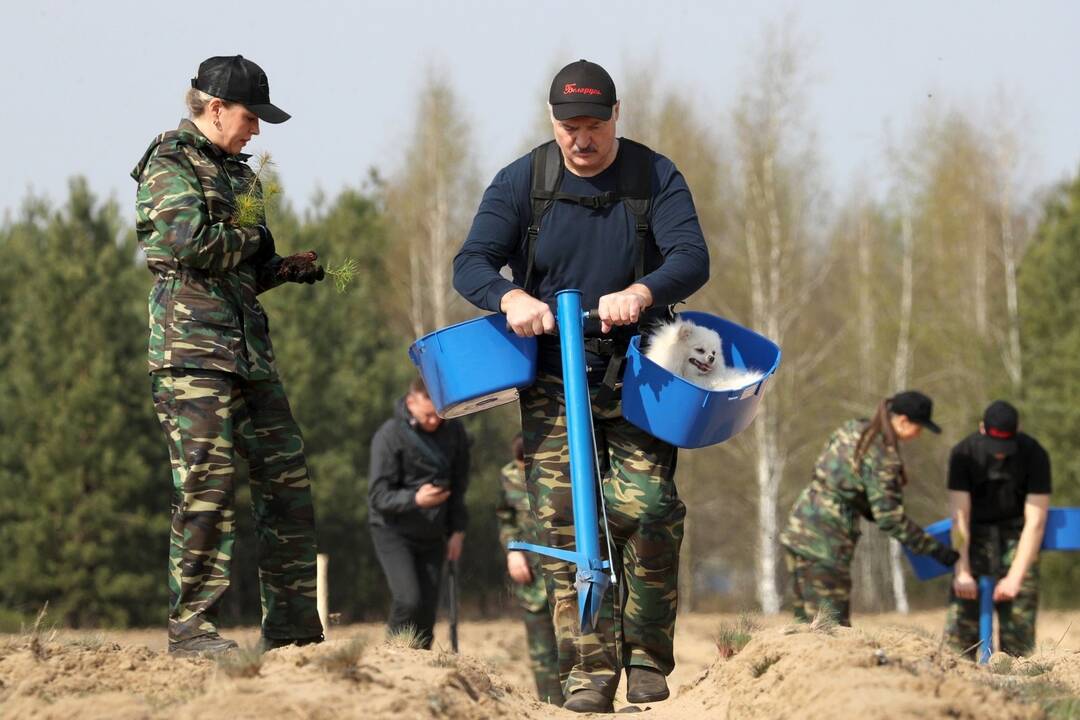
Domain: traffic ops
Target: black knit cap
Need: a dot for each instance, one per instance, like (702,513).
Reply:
(237,79)
(916,406)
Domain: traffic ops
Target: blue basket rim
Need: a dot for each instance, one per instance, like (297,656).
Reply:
(470,321)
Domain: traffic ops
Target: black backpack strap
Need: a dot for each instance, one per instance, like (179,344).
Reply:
(547,170)
(634,182)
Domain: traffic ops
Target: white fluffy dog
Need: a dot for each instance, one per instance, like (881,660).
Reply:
(696,353)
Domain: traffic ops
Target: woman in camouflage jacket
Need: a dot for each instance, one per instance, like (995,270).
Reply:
(859,474)
(215,385)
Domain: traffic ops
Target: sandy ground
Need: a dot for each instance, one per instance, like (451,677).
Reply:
(886,667)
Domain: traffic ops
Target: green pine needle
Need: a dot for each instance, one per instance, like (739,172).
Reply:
(251,204)
(343,274)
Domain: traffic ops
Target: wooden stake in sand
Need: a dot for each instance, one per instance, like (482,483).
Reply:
(322,590)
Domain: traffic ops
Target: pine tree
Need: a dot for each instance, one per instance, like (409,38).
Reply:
(85,476)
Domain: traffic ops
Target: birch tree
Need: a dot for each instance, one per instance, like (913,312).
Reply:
(776,198)
(430,203)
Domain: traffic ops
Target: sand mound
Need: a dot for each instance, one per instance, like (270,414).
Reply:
(799,671)
(785,671)
(339,679)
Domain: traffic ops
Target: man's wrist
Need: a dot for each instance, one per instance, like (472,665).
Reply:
(509,297)
(643,291)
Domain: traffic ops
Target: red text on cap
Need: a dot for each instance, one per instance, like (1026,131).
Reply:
(572,88)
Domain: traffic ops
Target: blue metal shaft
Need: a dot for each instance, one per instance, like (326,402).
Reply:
(578,422)
(986,617)
(591,581)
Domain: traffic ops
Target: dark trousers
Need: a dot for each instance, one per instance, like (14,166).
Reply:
(413,569)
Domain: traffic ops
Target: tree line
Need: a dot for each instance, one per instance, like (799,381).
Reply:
(951,280)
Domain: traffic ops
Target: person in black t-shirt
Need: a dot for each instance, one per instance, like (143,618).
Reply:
(999,492)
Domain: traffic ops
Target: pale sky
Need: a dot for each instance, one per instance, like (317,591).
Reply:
(85,86)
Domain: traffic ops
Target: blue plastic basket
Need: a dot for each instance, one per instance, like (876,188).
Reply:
(1062,529)
(684,414)
(474,365)
(1062,533)
(926,567)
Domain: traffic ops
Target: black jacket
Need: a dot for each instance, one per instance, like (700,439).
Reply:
(404,457)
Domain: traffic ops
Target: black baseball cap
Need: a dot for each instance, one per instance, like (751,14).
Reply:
(582,88)
(916,406)
(237,79)
(1000,422)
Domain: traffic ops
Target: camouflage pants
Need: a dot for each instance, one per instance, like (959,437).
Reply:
(1016,617)
(543,654)
(819,588)
(646,523)
(210,418)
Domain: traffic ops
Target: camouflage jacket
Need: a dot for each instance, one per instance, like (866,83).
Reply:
(824,520)
(516,523)
(203,307)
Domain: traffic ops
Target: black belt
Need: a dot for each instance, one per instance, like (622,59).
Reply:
(615,351)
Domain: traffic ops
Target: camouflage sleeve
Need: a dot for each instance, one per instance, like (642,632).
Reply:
(506,515)
(886,500)
(171,197)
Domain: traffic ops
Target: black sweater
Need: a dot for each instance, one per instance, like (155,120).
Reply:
(404,457)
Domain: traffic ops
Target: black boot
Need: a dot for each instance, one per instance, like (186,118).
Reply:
(209,644)
(645,684)
(588,701)
(266,644)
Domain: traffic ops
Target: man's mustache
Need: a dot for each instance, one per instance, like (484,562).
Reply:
(590,148)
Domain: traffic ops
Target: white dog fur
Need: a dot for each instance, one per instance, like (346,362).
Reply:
(696,353)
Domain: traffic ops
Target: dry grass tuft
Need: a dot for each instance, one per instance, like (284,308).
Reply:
(407,638)
(734,636)
(244,662)
(344,660)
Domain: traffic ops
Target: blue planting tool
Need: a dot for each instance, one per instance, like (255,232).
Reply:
(592,579)
(986,617)
(1062,533)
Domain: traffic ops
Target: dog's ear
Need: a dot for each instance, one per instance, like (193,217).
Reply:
(686,329)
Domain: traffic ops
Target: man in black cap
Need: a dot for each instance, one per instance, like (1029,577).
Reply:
(999,491)
(611,218)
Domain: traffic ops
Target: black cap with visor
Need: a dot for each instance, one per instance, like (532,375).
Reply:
(237,79)
(916,406)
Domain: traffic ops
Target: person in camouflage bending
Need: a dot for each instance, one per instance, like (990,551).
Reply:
(516,522)
(629,266)
(215,386)
(860,473)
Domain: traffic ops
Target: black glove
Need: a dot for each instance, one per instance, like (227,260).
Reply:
(945,555)
(301,268)
(266,249)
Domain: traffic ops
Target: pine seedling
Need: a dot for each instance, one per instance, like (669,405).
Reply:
(343,274)
(252,202)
